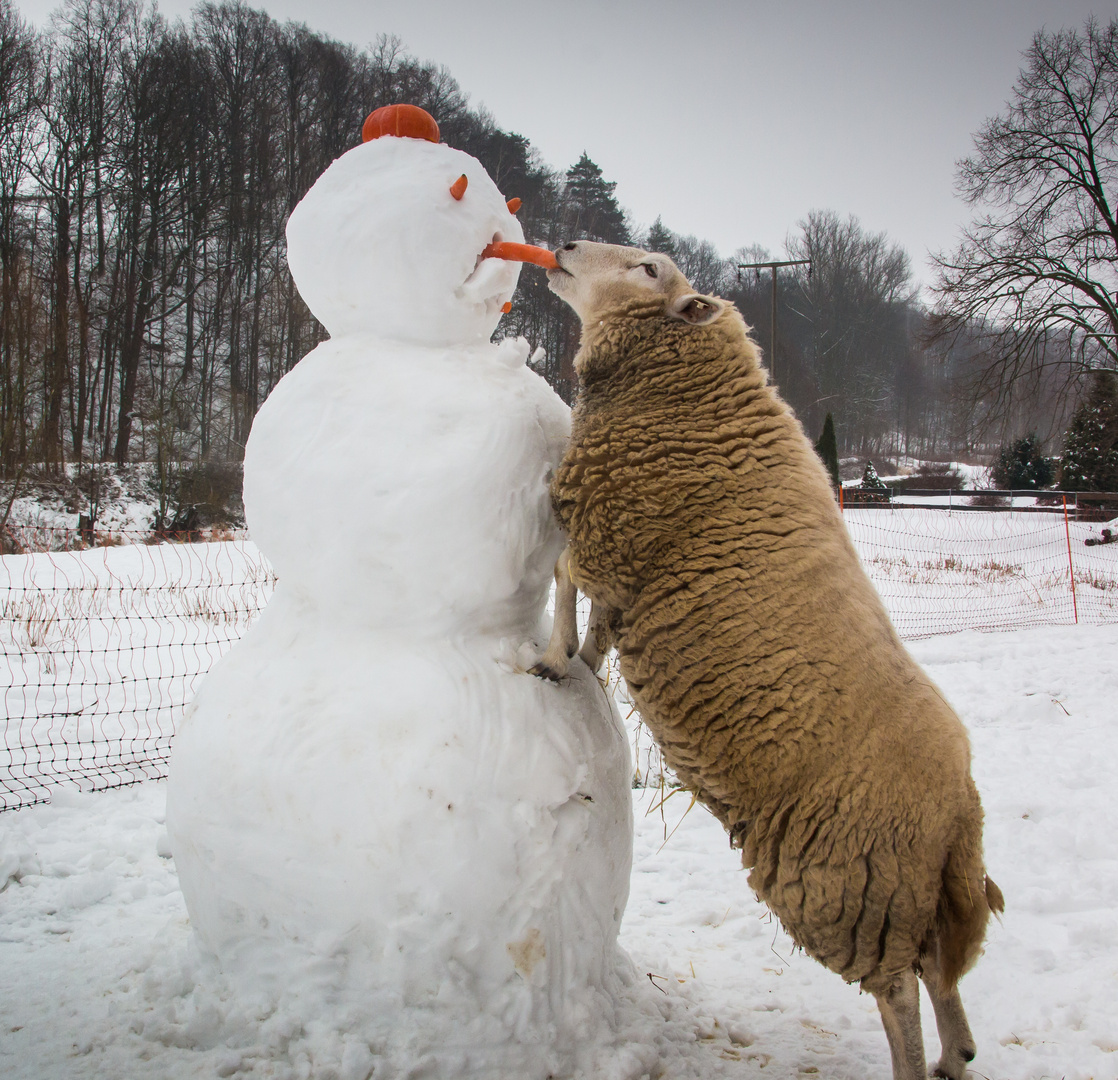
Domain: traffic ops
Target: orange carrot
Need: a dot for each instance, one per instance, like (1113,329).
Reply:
(521,253)
(458,188)
(515,204)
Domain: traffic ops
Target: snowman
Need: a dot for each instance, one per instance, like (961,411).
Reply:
(383,827)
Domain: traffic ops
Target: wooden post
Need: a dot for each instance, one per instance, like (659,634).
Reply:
(772,357)
(773,267)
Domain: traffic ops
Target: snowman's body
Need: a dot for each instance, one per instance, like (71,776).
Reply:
(377,817)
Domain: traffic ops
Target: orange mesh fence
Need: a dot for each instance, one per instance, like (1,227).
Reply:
(101,648)
(943,567)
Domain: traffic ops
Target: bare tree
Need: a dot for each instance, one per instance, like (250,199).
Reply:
(146,172)
(1036,275)
(18,88)
(856,306)
(703,266)
(77,102)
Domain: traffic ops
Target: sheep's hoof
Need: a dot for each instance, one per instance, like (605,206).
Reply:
(544,670)
(955,1069)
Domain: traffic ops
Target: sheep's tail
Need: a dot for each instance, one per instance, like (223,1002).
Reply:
(967,897)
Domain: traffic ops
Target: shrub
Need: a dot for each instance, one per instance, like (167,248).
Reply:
(1021,466)
(213,491)
(988,498)
(933,476)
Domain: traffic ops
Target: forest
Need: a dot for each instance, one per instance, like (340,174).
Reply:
(147,169)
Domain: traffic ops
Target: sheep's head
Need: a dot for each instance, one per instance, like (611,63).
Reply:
(597,278)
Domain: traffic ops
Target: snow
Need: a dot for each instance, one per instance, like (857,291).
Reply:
(379,243)
(45,514)
(103,979)
(388,836)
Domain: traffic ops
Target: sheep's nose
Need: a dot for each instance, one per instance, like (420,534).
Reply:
(570,245)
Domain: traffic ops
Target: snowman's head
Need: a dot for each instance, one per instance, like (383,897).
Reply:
(381,244)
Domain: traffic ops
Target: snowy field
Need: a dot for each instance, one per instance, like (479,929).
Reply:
(100,977)
(941,571)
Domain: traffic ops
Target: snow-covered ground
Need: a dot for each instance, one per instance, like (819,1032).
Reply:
(101,980)
(45,511)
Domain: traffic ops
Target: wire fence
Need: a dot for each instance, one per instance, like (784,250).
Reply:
(988,560)
(101,647)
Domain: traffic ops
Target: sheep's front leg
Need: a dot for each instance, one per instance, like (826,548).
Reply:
(564,632)
(900,1014)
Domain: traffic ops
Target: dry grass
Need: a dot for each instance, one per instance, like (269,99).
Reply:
(1097,579)
(932,570)
(52,618)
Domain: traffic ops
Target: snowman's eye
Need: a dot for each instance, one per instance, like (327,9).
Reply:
(458,188)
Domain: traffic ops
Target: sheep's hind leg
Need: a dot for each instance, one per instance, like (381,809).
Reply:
(955,1036)
(900,1014)
(564,632)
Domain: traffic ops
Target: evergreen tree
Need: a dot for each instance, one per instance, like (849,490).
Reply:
(870,480)
(661,238)
(1022,466)
(872,488)
(1090,458)
(592,210)
(827,449)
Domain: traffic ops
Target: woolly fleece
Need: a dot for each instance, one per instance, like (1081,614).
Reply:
(759,654)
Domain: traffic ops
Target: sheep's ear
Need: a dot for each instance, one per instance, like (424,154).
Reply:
(696,309)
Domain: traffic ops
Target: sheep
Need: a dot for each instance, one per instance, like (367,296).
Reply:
(703,527)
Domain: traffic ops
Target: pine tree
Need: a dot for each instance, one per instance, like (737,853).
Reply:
(661,238)
(1022,466)
(870,480)
(827,449)
(592,210)
(872,489)
(1090,458)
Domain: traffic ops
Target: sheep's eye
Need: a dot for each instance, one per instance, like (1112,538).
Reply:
(649,269)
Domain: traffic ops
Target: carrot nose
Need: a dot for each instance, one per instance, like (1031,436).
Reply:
(528,253)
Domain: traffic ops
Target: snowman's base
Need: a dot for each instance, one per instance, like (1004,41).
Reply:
(414,842)
(351,1035)
(625,1031)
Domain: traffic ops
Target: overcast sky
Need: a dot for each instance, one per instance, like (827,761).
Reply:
(730,118)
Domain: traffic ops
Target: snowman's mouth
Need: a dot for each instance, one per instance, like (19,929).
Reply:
(481,260)
(482,256)
(488,282)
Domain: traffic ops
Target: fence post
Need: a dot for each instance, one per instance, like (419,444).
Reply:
(1071,565)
